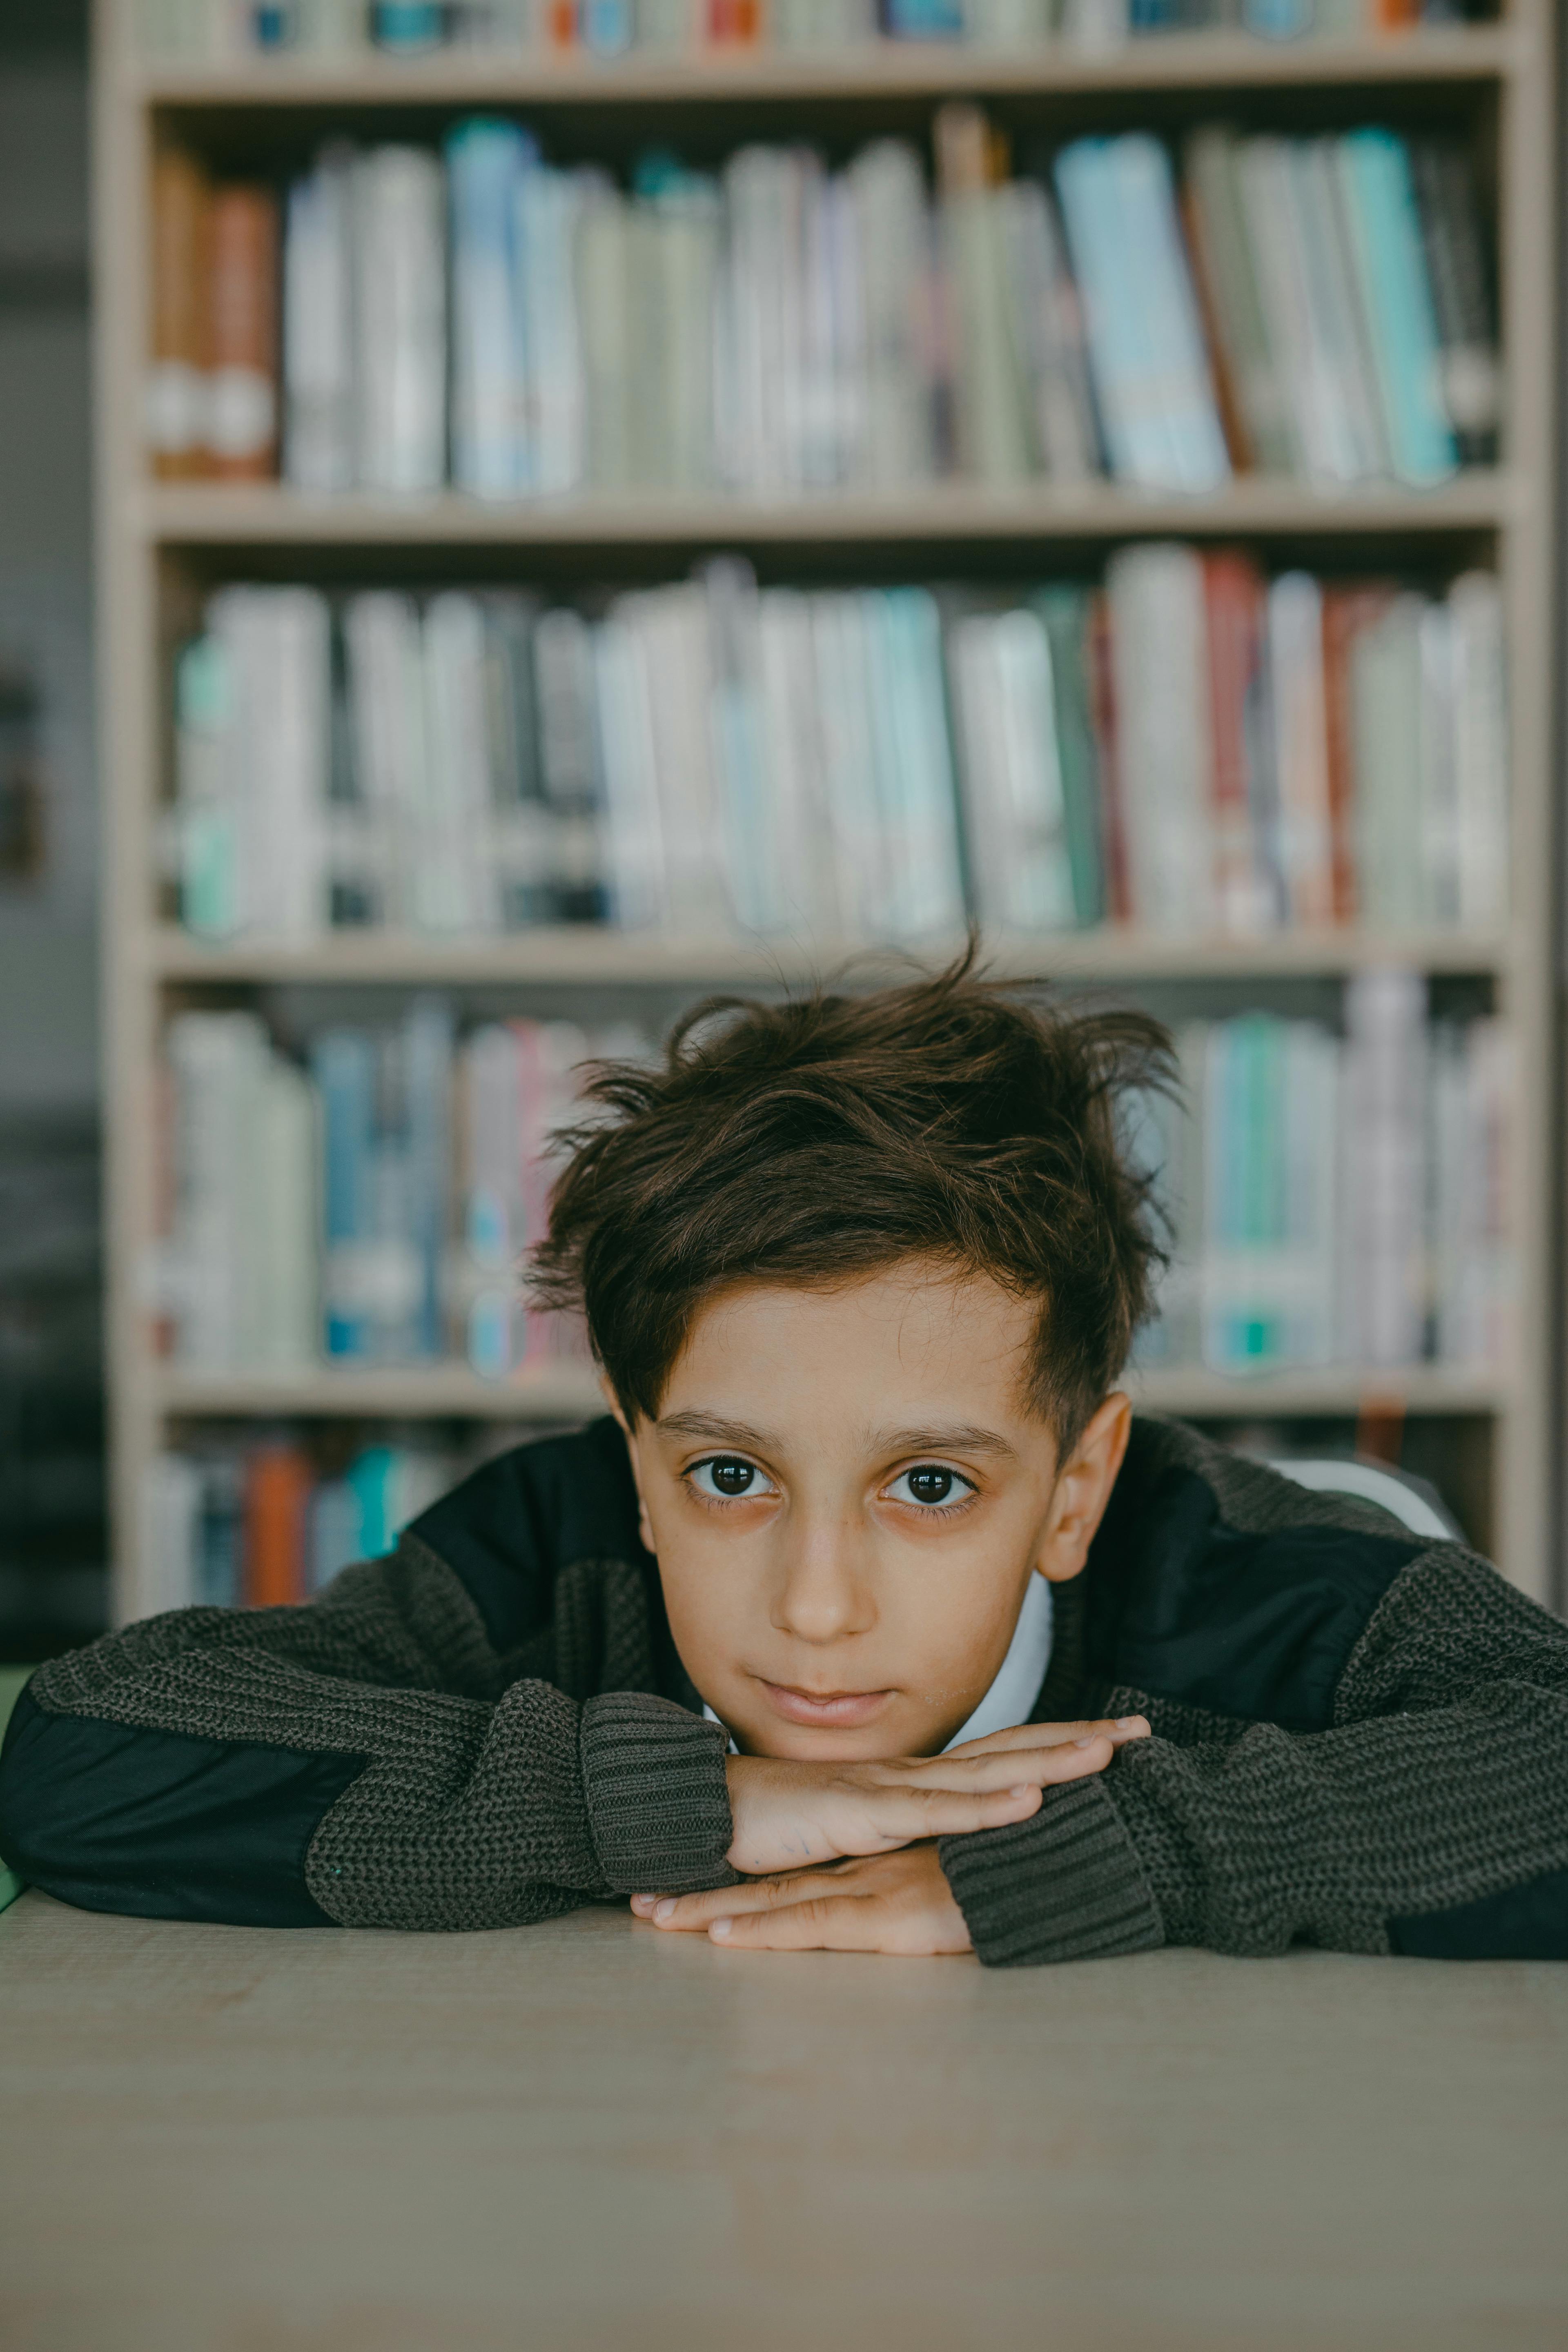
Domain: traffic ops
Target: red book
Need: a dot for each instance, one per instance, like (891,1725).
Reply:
(1234,600)
(1346,612)
(277,1493)
(242,335)
(1102,703)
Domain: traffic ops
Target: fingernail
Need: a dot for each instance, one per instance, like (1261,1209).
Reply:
(1022,1789)
(1090,1740)
(1130,1723)
(664,1909)
(641,1902)
(721,1929)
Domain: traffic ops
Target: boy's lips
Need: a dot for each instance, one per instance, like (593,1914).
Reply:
(836,1710)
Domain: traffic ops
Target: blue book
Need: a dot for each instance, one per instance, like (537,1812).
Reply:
(1118,354)
(427,1079)
(923,20)
(1396,303)
(332,1537)
(342,1062)
(372,1476)
(407,26)
(486,160)
(1176,392)
(606,26)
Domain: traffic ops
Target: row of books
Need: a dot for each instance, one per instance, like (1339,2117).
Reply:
(1337,1198)
(265,1524)
(1321,308)
(369,1204)
(1192,748)
(610,28)
(1333,1197)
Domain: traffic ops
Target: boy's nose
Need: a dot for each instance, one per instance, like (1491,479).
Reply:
(823,1594)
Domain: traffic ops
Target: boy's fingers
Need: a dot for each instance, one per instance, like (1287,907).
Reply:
(690,1911)
(825,1923)
(1116,1728)
(1007,1768)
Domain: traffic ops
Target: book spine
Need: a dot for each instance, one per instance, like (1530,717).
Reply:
(1381,199)
(242,389)
(276,1497)
(176,411)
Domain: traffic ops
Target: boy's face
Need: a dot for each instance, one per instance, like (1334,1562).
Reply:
(847,1495)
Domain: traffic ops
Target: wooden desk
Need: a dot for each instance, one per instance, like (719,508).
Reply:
(218,2139)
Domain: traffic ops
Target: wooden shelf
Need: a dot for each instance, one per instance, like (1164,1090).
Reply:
(572,954)
(268,514)
(450,1391)
(878,71)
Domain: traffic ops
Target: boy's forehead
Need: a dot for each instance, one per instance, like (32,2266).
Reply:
(916,1346)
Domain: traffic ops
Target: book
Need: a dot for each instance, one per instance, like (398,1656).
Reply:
(400,319)
(177,385)
(241,405)
(319,395)
(277,1494)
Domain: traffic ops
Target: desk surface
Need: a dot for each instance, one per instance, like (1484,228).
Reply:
(588,2134)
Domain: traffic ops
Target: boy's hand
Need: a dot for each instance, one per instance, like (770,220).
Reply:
(883,1903)
(790,1815)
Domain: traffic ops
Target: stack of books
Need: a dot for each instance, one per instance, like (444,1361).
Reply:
(1320,308)
(1191,747)
(1335,1198)
(267,1523)
(610,28)
(1330,1198)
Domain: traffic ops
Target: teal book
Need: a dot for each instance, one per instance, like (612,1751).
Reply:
(1401,322)
(1065,611)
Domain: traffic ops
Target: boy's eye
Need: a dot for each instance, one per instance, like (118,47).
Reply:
(931,1484)
(726,1478)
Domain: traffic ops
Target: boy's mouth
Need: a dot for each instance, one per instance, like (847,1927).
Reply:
(834,1711)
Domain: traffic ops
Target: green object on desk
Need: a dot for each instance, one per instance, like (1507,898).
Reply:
(11,1681)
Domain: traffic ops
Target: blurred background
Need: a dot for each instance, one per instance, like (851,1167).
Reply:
(590,502)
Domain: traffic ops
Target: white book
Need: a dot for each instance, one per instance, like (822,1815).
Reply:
(673,625)
(1480,749)
(282,1225)
(318,326)
(276,753)
(1386,707)
(1093,25)
(793,753)
(1300,716)
(1438,841)
(760,321)
(1325,229)
(1007,24)
(916,786)
(1265,178)
(1383,1189)
(215,1061)
(170,1533)
(1043,314)
(1014,818)
(614,377)
(400,319)
(738,756)
(490,1292)
(1160,664)
(849,760)
(633,844)
(547,204)
(451,824)
(894,240)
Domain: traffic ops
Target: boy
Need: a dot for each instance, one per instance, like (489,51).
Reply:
(871,1619)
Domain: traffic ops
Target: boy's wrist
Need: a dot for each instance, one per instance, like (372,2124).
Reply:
(656,1793)
(1066,1885)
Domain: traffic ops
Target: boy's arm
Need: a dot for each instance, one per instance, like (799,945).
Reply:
(1431,1818)
(365,1760)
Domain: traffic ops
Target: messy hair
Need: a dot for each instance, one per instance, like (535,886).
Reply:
(953,1117)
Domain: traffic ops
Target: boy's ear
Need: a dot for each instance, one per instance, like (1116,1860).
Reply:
(645,1524)
(1083,1490)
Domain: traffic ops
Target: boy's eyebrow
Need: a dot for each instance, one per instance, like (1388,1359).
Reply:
(949,1437)
(712,1425)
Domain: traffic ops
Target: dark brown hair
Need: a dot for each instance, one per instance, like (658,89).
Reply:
(830,1135)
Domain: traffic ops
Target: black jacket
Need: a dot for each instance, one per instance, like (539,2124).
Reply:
(1361,1736)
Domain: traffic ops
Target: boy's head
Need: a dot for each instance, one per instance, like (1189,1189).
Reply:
(861,1274)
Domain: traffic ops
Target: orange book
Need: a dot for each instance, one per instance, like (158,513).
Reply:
(560,23)
(733,24)
(242,335)
(1233,601)
(277,1494)
(1395,16)
(1346,612)
(178,383)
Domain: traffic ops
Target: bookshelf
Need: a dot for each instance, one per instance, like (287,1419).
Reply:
(161,545)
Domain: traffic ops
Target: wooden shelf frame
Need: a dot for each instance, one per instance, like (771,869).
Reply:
(149,533)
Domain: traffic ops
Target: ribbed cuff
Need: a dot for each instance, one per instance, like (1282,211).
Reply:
(659,1801)
(1066,1884)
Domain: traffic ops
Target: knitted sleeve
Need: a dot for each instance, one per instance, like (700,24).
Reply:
(367,1760)
(1430,1818)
